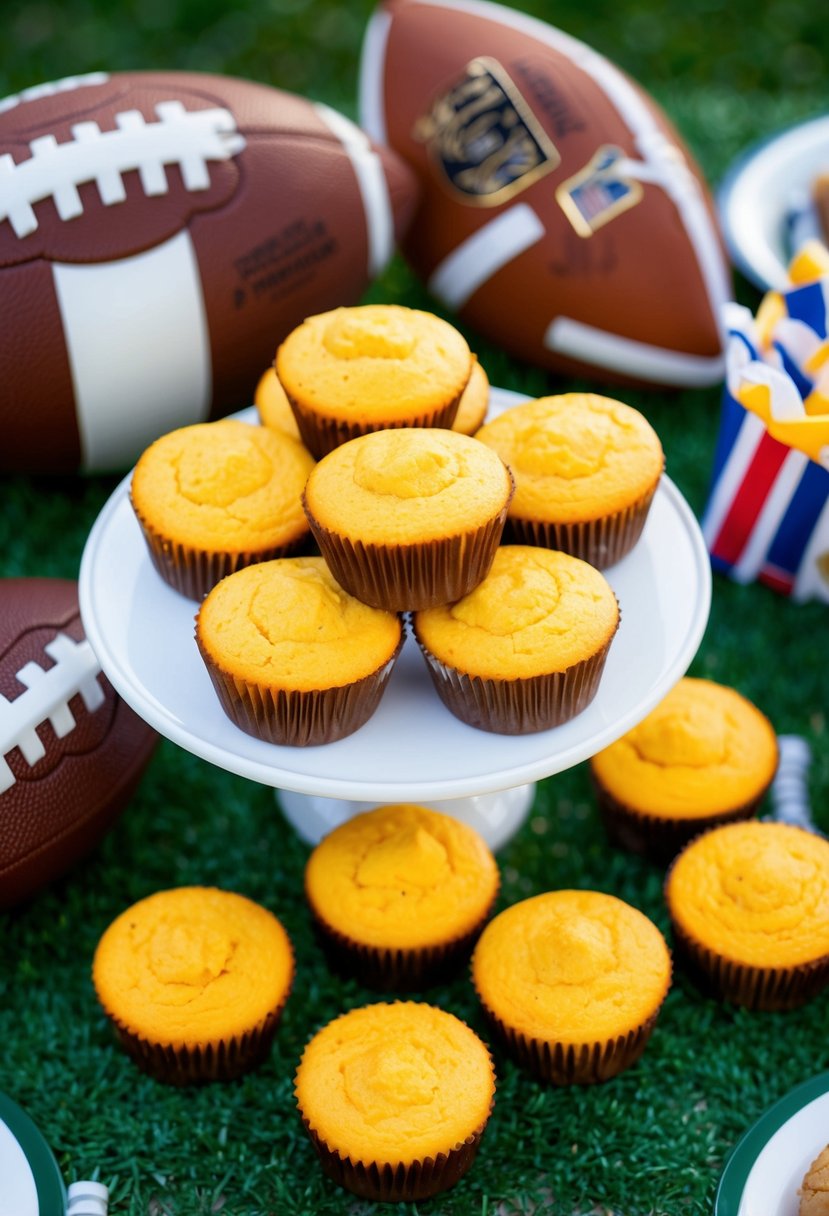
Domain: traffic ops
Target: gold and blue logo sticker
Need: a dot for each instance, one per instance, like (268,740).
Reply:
(485,138)
(598,192)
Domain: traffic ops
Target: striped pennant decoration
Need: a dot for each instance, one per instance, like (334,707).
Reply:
(767,517)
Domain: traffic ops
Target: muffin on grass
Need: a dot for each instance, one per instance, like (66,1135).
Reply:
(586,469)
(294,659)
(217,496)
(572,983)
(400,894)
(275,411)
(749,905)
(395,1098)
(409,518)
(525,650)
(194,980)
(705,756)
(356,370)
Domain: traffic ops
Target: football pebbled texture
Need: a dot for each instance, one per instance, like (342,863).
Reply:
(560,214)
(71,750)
(160,233)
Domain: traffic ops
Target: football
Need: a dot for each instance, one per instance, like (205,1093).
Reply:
(71,751)
(160,233)
(560,214)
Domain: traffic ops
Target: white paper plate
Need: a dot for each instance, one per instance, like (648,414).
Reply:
(413,748)
(767,1166)
(30,1181)
(758,194)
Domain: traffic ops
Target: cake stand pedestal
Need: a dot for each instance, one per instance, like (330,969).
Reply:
(496,816)
(412,749)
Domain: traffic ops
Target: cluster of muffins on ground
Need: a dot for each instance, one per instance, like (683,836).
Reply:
(493,537)
(395,1096)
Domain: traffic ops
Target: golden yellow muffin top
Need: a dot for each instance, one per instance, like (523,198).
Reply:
(407,485)
(395,1083)
(273,406)
(287,624)
(275,409)
(192,966)
(374,363)
(538,611)
(814,1190)
(474,402)
(754,892)
(223,486)
(402,876)
(572,967)
(575,457)
(704,750)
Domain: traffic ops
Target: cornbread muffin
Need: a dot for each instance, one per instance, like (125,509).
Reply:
(395,1099)
(217,496)
(409,518)
(275,409)
(294,659)
(704,756)
(749,904)
(194,980)
(572,983)
(586,469)
(526,649)
(400,894)
(814,1191)
(356,370)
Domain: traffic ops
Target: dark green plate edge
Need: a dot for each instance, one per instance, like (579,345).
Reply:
(51,1194)
(749,1146)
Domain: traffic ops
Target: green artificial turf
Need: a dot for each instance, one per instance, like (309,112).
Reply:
(654,1140)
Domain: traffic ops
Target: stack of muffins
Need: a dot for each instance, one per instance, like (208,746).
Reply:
(408,510)
(408,498)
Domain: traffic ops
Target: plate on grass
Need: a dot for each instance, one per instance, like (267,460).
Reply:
(767,1166)
(763,201)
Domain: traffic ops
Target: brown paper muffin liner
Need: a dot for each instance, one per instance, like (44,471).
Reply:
(409,577)
(659,838)
(223,1060)
(396,969)
(601,542)
(384,1182)
(322,435)
(296,718)
(194,572)
(517,707)
(569,1063)
(758,988)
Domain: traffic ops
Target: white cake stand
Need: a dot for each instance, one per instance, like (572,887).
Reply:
(413,749)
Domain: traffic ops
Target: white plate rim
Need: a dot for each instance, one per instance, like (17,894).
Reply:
(783,154)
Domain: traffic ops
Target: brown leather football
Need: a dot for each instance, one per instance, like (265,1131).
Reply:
(71,751)
(561,214)
(160,233)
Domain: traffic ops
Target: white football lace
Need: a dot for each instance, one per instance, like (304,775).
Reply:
(67,84)
(47,698)
(187,138)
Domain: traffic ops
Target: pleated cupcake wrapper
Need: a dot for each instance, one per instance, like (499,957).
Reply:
(397,969)
(194,572)
(409,577)
(223,1060)
(322,435)
(601,542)
(758,988)
(517,707)
(568,1063)
(656,837)
(294,718)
